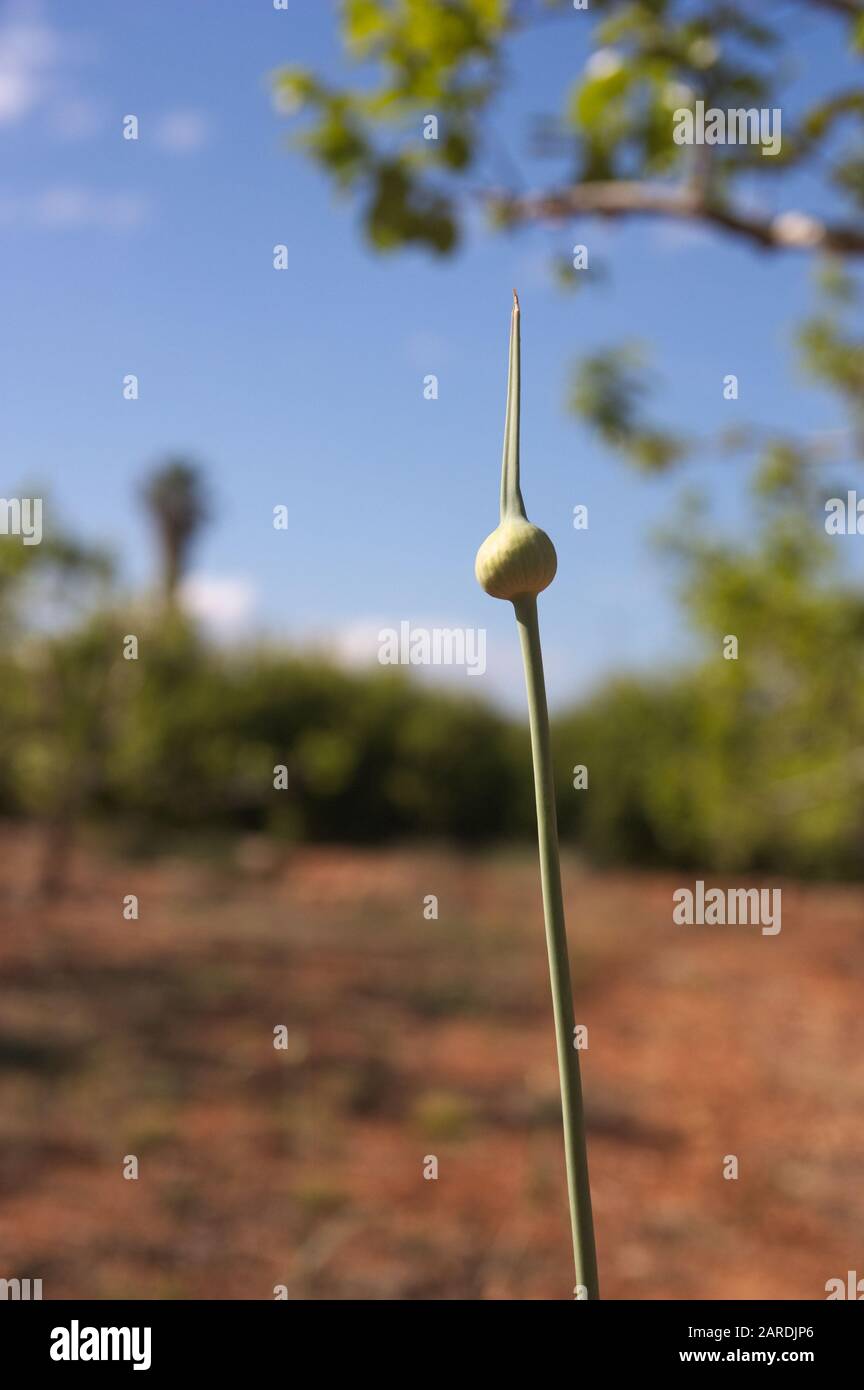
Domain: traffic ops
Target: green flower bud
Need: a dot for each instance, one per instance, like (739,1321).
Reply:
(517,559)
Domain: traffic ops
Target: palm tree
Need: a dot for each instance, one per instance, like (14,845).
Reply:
(176,499)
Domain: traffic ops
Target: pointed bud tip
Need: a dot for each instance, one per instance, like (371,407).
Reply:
(515,302)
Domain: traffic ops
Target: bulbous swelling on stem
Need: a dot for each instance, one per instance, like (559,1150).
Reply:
(517,560)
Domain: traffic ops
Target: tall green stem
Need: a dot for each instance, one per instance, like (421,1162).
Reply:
(517,562)
(575,1150)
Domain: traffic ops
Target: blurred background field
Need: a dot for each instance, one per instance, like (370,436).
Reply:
(298,900)
(409,1037)
(302,904)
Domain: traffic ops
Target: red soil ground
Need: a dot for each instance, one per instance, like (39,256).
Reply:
(408,1038)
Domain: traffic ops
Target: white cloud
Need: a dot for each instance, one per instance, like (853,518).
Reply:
(30,55)
(224,602)
(17,93)
(71,207)
(182,132)
(604,63)
(357,645)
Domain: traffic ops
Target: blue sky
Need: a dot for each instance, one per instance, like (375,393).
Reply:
(305,387)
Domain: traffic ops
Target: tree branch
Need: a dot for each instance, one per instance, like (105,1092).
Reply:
(853,9)
(790,230)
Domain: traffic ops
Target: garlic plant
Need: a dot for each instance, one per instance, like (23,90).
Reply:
(517,562)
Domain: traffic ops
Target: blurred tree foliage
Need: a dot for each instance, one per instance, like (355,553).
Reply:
(733,765)
(189,735)
(751,763)
(175,497)
(755,764)
(611,138)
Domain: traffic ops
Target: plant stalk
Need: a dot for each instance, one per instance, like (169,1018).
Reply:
(575,1149)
